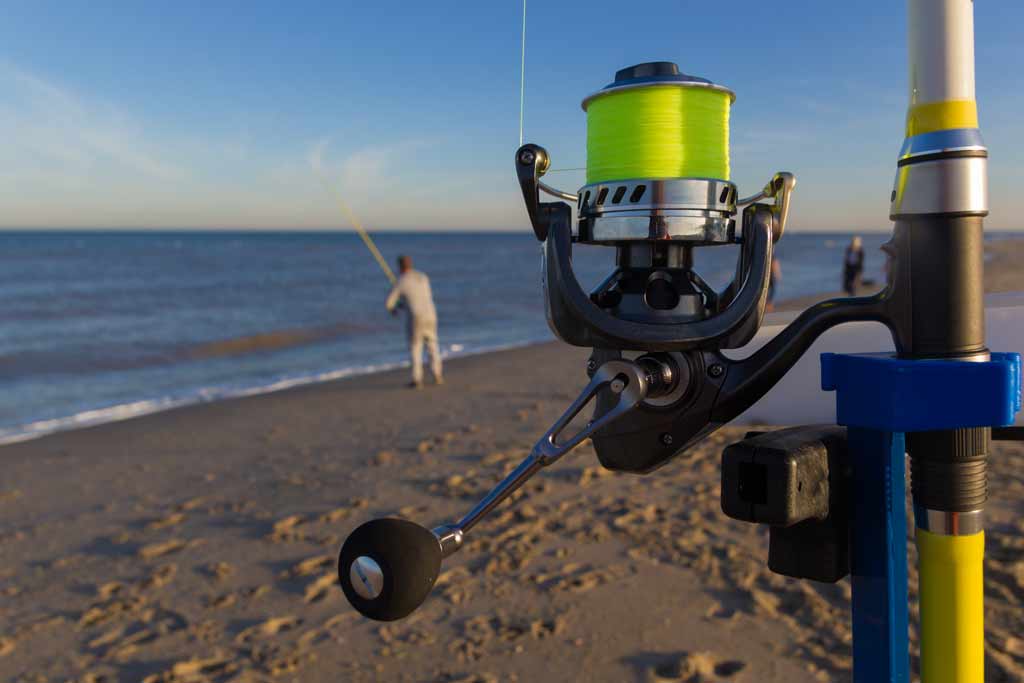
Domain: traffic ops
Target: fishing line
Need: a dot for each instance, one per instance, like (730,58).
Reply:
(522,77)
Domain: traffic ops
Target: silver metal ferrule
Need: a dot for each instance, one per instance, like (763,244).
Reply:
(942,172)
(949,523)
(450,537)
(692,210)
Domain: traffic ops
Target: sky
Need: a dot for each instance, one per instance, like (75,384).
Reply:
(235,114)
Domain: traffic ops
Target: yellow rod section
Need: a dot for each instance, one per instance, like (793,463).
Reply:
(952,607)
(933,116)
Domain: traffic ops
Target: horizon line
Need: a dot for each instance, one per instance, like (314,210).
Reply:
(281,229)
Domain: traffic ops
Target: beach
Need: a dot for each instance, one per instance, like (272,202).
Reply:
(199,544)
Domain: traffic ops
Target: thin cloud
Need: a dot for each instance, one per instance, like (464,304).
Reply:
(368,171)
(50,126)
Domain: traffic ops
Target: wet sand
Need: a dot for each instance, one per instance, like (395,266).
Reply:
(199,545)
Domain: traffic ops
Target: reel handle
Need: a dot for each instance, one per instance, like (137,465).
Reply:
(388,566)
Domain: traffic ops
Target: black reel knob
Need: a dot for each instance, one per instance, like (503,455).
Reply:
(388,566)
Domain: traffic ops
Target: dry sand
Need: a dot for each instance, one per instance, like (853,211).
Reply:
(199,545)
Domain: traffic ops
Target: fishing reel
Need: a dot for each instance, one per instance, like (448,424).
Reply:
(658,380)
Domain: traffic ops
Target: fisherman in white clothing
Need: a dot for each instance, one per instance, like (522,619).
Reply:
(413,291)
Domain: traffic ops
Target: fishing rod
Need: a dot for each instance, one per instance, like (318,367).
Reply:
(657,190)
(363,234)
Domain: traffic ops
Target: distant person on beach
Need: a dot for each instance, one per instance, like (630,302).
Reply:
(774,278)
(853,266)
(412,292)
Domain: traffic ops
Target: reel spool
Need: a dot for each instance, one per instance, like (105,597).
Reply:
(654,122)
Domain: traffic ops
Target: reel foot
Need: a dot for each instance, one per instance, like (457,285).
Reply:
(387,567)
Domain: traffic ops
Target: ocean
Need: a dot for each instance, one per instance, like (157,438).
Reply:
(99,326)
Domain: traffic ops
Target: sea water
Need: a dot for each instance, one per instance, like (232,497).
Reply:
(98,326)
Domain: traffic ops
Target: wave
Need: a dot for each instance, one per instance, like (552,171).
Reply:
(125,411)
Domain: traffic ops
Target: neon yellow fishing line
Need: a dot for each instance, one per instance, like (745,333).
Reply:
(660,131)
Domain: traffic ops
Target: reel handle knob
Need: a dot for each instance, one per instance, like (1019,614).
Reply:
(388,566)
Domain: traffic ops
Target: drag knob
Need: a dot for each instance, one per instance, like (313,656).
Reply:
(387,567)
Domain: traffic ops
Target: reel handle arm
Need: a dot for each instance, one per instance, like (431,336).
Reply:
(388,566)
(625,379)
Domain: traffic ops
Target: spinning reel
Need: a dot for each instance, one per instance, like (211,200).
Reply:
(658,379)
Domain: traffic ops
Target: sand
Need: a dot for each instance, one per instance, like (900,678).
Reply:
(199,545)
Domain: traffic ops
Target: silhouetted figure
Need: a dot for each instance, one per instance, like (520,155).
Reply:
(853,266)
(413,290)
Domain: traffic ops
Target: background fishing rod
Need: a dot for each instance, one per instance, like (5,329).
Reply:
(354,222)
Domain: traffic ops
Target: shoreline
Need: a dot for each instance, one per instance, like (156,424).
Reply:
(128,411)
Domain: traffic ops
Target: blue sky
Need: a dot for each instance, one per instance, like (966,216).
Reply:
(216,114)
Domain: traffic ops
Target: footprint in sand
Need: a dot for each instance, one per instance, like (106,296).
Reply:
(310,565)
(384,458)
(287,529)
(219,570)
(98,614)
(163,575)
(109,590)
(221,601)
(228,599)
(267,629)
(190,504)
(694,667)
(321,588)
(335,515)
(154,550)
(198,670)
(164,522)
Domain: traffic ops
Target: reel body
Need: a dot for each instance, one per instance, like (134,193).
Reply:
(654,300)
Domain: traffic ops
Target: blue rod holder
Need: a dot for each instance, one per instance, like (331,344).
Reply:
(878,398)
(878,556)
